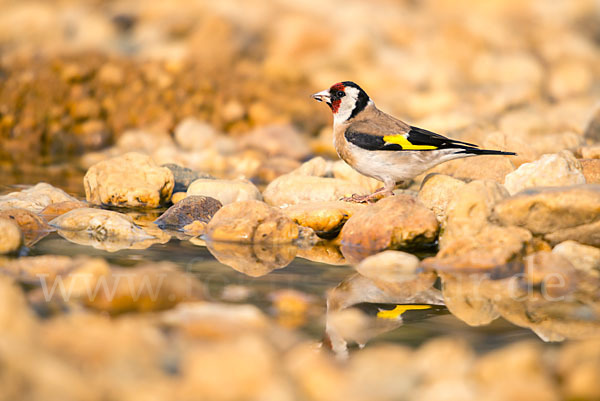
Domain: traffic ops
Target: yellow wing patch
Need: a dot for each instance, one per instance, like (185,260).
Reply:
(406,145)
(399,310)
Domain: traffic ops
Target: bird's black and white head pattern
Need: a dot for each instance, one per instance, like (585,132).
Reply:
(346,99)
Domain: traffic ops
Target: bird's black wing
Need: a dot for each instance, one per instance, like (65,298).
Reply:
(420,136)
(416,139)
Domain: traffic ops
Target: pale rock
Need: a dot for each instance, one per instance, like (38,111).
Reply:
(468,211)
(591,170)
(206,370)
(215,320)
(103,229)
(436,192)
(192,134)
(579,368)
(143,141)
(560,169)
(11,237)
(590,152)
(489,247)
(225,191)
(390,266)
(250,222)
(582,257)
(382,372)
(317,166)
(557,213)
(291,189)
(523,370)
(16,318)
(470,240)
(35,199)
(131,180)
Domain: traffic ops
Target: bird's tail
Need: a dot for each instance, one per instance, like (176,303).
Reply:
(477,151)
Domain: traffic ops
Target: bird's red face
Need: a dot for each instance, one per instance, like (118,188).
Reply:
(346,100)
(332,96)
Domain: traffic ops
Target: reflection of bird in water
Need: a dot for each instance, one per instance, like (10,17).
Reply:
(380,146)
(359,309)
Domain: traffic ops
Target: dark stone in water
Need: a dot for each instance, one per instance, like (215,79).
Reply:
(188,210)
(184,176)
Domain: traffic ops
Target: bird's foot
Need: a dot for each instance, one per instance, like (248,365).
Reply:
(372,198)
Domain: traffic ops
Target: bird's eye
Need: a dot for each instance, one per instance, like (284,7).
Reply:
(341,94)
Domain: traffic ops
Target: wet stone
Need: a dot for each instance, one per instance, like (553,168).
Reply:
(103,229)
(325,218)
(393,222)
(251,222)
(131,180)
(188,210)
(33,226)
(35,199)
(54,210)
(559,169)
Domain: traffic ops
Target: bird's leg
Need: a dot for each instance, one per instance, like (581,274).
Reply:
(386,190)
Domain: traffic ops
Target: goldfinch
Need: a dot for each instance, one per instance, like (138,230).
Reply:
(380,146)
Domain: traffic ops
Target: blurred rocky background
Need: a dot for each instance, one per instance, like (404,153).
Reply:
(76,75)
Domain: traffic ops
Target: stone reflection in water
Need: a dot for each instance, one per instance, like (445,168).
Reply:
(104,229)
(323,252)
(549,297)
(253,260)
(393,278)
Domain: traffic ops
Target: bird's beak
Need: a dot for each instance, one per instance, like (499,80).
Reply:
(322,96)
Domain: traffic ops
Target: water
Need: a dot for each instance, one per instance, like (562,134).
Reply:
(307,277)
(313,282)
